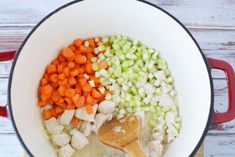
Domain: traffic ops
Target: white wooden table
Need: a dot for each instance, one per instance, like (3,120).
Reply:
(212,22)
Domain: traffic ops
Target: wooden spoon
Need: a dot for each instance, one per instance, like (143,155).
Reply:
(123,134)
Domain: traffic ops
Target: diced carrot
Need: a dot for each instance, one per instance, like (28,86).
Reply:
(76,66)
(71,58)
(80,59)
(60,68)
(71,65)
(46,76)
(81,70)
(74,72)
(77,52)
(68,100)
(64,64)
(58,110)
(103,64)
(81,101)
(75,121)
(63,82)
(87,62)
(90,100)
(61,100)
(53,113)
(82,82)
(56,62)
(91,42)
(78,90)
(72,81)
(44,81)
(85,94)
(51,69)
(46,114)
(78,42)
(75,98)
(83,49)
(46,90)
(96,94)
(62,104)
(70,92)
(54,85)
(66,71)
(44,97)
(42,103)
(89,69)
(61,90)
(72,47)
(91,50)
(61,76)
(50,101)
(81,76)
(89,55)
(54,78)
(89,109)
(61,57)
(67,53)
(87,87)
(55,96)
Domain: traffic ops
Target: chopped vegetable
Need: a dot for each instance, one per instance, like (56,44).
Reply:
(96,79)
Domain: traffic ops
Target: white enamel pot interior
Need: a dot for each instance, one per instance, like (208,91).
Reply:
(90,18)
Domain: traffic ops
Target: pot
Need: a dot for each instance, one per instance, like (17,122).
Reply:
(139,20)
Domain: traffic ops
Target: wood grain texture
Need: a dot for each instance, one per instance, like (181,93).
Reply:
(212,23)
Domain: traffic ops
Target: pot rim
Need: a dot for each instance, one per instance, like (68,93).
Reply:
(142,1)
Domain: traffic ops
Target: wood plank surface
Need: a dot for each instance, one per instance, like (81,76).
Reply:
(212,23)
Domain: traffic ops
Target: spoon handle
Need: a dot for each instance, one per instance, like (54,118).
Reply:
(134,149)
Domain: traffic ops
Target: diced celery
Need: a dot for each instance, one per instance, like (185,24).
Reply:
(105,39)
(107,53)
(120,116)
(167,72)
(102,90)
(155,56)
(86,43)
(129,109)
(129,84)
(96,39)
(92,83)
(125,87)
(177,126)
(163,84)
(162,64)
(101,48)
(156,83)
(95,67)
(172,93)
(128,97)
(134,90)
(115,46)
(120,80)
(145,57)
(108,97)
(150,75)
(131,65)
(96,51)
(170,80)
(86,76)
(102,80)
(97,74)
(158,91)
(93,59)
